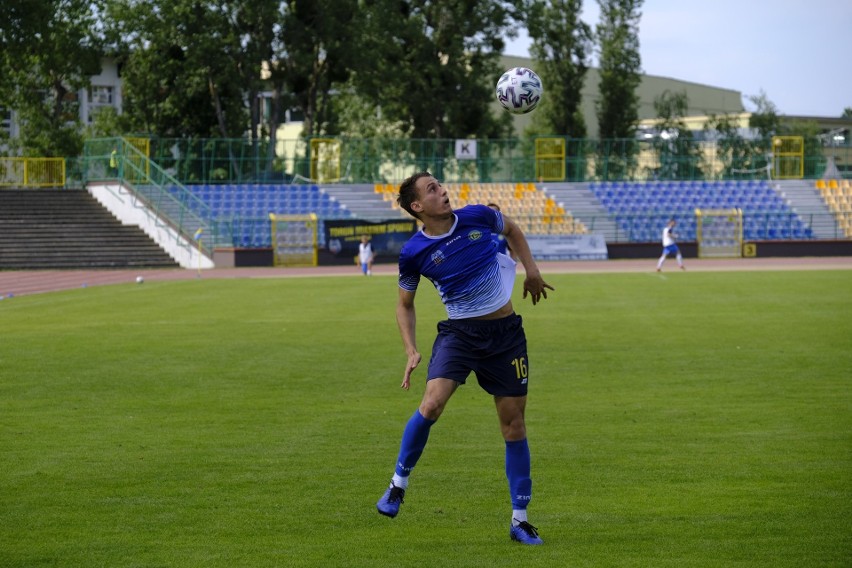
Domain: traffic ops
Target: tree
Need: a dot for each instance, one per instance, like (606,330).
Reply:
(435,65)
(617,107)
(679,155)
(765,117)
(733,151)
(50,48)
(620,68)
(180,77)
(561,47)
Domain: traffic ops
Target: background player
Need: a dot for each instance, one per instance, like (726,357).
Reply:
(670,246)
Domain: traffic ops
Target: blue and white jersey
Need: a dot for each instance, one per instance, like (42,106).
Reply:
(471,277)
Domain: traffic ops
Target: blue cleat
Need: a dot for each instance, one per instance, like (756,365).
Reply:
(525,533)
(389,504)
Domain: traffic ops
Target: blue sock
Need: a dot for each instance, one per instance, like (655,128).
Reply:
(518,473)
(413,441)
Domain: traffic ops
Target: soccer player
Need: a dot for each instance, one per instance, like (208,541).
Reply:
(366,255)
(483,335)
(670,246)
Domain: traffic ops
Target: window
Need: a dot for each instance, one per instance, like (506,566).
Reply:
(5,120)
(100,95)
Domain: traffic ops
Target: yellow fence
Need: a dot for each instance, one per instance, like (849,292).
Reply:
(32,172)
(550,159)
(788,157)
(325,160)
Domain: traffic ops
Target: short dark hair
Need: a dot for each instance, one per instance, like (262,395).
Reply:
(408,192)
(494,206)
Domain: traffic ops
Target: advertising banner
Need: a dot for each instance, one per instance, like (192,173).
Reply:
(342,236)
(568,247)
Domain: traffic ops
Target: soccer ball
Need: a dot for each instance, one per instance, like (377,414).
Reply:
(519,90)
(139,280)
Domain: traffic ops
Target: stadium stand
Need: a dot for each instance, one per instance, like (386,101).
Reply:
(532,209)
(621,211)
(642,208)
(247,207)
(837,195)
(68,228)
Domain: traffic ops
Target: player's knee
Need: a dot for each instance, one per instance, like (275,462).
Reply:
(514,429)
(432,408)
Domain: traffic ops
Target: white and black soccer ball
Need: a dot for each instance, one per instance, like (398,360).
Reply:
(519,90)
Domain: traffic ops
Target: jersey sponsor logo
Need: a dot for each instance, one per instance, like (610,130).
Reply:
(437,257)
(474,235)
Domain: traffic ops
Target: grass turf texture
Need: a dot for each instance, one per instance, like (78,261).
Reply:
(684,419)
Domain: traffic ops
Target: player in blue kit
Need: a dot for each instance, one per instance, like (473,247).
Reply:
(455,251)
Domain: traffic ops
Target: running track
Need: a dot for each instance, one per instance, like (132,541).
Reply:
(20,283)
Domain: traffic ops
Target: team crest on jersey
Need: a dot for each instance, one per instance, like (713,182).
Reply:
(437,257)
(474,235)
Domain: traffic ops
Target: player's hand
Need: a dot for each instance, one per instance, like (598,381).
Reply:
(413,361)
(536,287)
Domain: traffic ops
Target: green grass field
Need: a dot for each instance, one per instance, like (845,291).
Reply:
(691,419)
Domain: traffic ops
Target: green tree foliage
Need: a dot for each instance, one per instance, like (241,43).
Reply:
(679,155)
(620,68)
(764,118)
(733,151)
(432,65)
(617,107)
(315,50)
(561,47)
(50,48)
(181,69)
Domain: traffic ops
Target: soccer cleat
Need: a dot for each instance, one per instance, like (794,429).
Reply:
(389,504)
(525,533)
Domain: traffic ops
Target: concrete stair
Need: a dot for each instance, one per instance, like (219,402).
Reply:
(68,228)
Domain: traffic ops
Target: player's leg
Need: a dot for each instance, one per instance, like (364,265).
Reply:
(662,260)
(416,433)
(679,258)
(510,411)
(414,438)
(505,376)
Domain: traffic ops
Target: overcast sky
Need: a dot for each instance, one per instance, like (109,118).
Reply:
(799,52)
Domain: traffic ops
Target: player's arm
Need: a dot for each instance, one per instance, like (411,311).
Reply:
(406,318)
(534,284)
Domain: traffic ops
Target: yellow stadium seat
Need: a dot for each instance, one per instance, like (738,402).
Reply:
(820,184)
(832,184)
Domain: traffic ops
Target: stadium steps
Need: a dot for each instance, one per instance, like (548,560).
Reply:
(363,202)
(64,229)
(804,199)
(582,203)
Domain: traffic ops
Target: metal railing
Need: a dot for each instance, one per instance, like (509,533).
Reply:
(164,196)
(375,160)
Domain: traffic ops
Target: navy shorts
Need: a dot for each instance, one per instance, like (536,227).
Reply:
(495,350)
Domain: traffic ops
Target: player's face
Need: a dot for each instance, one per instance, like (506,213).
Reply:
(432,198)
